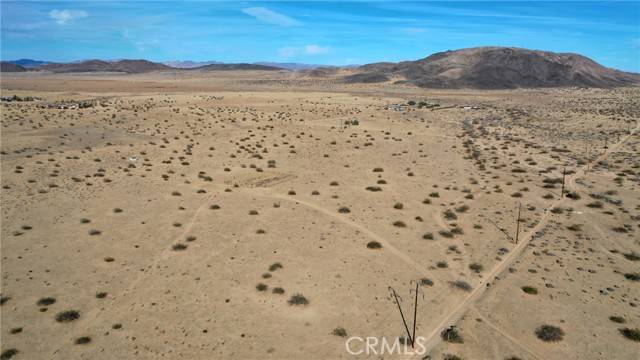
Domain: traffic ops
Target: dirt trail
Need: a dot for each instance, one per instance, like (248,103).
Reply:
(343,219)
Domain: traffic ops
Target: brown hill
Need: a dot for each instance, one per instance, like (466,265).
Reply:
(498,68)
(240,66)
(6,66)
(126,66)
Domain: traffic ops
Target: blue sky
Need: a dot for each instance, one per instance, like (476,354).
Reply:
(318,32)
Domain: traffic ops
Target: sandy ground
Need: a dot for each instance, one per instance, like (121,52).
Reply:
(181,215)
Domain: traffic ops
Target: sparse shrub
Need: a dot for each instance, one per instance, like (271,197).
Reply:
(442,264)
(95,232)
(451,335)
(631,334)
(595,205)
(445,233)
(344,210)
(67,316)
(262,287)
(575,227)
(451,357)
(46,301)
(426,282)
(8,354)
(374,245)
(399,224)
(82,340)
(461,284)
(573,195)
(179,247)
(450,215)
(476,267)
(427,236)
(632,256)
(530,290)
(298,299)
(278,290)
(275,266)
(374,188)
(617,319)
(632,276)
(339,331)
(398,206)
(549,333)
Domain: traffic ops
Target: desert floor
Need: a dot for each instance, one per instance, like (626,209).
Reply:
(241,215)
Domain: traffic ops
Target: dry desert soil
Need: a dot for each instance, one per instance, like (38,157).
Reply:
(257,215)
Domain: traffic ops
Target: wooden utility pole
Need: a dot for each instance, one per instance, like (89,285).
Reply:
(564,172)
(518,222)
(402,315)
(415,313)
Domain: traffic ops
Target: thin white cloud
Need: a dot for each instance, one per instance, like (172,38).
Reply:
(316,49)
(287,52)
(62,17)
(311,49)
(270,17)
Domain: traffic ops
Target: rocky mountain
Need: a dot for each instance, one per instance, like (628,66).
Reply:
(497,68)
(6,66)
(240,66)
(125,66)
(188,64)
(29,63)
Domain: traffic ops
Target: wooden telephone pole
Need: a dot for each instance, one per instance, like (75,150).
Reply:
(564,173)
(518,223)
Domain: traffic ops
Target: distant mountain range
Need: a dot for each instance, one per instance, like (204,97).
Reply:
(188,64)
(479,68)
(29,63)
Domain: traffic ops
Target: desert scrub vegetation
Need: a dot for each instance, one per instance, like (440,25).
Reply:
(530,290)
(278,290)
(399,223)
(374,245)
(631,334)
(632,256)
(262,287)
(344,210)
(460,284)
(8,354)
(450,215)
(67,316)
(339,331)
(475,267)
(549,333)
(82,340)
(275,266)
(298,299)
(427,236)
(632,276)
(179,247)
(617,319)
(426,282)
(398,206)
(451,335)
(46,301)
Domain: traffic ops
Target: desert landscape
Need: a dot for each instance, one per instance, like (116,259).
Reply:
(270,214)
